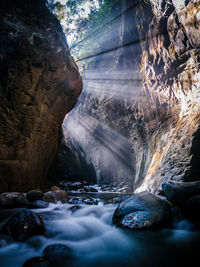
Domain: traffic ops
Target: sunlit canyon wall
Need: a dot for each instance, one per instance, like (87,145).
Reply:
(39,84)
(138,116)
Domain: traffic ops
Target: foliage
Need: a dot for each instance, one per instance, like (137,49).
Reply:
(85,23)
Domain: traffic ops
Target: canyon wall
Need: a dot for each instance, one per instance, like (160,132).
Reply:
(170,68)
(137,120)
(39,84)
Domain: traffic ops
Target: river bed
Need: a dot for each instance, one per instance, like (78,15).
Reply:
(94,241)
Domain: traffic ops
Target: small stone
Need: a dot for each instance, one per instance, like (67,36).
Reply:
(37,262)
(90,189)
(57,254)
(75,207)
(54,196)
(24,225)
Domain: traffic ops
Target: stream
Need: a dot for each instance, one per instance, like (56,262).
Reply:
(88,231)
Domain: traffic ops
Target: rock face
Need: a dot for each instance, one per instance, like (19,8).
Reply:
(170,60)
(142,211)
(139,115)
(39,84)
(24,225)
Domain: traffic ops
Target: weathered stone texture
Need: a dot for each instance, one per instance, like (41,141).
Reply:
(39,84)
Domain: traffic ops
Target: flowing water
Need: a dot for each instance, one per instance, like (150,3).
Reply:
(94,241)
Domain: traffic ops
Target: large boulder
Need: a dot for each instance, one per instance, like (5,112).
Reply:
(142,211)
(39,85)
(24,225)
(177,193)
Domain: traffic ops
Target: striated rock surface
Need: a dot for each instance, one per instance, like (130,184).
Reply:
(170,69)
(139,115)
(39,84)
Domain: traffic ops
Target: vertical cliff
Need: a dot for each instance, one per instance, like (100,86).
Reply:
(139,114)
(170,69)
(39,84)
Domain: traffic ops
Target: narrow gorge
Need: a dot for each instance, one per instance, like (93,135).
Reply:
(99,133)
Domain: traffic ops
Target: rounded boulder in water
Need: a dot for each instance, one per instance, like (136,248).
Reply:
(23,225)
(57,254)
(36,262)
(142,211)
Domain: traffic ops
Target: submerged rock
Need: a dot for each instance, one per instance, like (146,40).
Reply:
(24,225)
(39,204)
(54,196)
(83,200)
(34,195)
(142,211)
(37,262)
(57,254)
(75,207)
(5,240)
(89,189)
(177,193)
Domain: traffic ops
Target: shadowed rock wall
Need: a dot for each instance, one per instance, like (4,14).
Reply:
(39,84)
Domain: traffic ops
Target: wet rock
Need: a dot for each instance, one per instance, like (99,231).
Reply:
(24,225)
(75,207)
(117,200)
(83,200)
(73,186)
(142,211)
(34,195)
(89,189)
(57,254)
(54,196)
(39,204)
(177,193)
(37,262)
(13,200)
(191,209)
